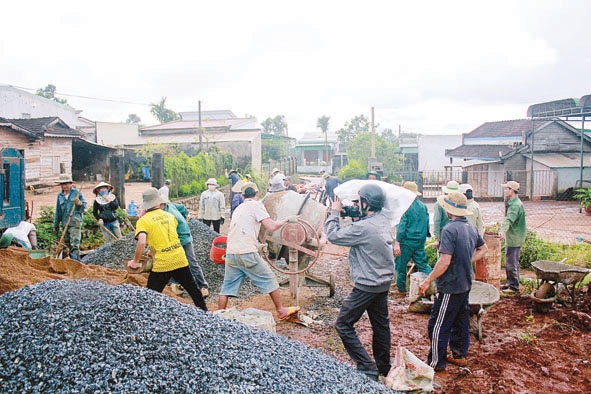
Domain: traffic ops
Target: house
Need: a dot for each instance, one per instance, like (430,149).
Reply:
(19,104)
(317,151)
(499,151)
(240,137)
(50,148)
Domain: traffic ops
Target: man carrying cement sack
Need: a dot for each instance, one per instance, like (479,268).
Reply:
(450,317)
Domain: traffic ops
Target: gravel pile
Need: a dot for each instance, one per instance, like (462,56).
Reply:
(88,337)
(113,254)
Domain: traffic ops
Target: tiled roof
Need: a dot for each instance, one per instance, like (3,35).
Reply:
(478,151)
(46,126)
(504,128)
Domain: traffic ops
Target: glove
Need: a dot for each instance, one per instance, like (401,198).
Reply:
(101,222)
(77,201)
(222,220)
(292,219)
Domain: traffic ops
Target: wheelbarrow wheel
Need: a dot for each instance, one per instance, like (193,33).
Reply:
(545,291)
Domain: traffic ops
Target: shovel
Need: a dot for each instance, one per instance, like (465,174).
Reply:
(60,245)
(102,226)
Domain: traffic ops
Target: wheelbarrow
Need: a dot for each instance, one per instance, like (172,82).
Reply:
(482,296)
(550,274)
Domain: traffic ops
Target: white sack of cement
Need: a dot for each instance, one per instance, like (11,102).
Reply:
(398,199)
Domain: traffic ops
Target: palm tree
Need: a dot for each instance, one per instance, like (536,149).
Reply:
(322,124)
(162,113)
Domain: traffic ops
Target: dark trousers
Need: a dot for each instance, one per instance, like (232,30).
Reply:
(512,266)
(449,323)
(216,224)
(376,305)
(158,280)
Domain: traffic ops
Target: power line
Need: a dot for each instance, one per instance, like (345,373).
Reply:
(83,97)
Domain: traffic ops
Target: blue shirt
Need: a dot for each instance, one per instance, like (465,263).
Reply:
(460,239)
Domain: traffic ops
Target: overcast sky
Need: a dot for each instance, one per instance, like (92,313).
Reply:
(440,67)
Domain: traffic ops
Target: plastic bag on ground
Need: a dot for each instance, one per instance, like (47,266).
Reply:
(398,199)
(409,373)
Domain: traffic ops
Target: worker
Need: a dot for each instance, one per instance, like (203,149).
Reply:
(234,178)
(164,191)
(288,184)
(449,321)
(69,208)
(371,264)
(183,230)
(242,257)
(372,175)
(411,233)
(513,231)
(212,205)
(104,210)
(157,229)
(330,183)
(476,218)
(276,183)
(146,172)
(440,219)
(238,197)
(24,234)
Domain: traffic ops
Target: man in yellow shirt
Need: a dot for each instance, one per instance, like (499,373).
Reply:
(157,229)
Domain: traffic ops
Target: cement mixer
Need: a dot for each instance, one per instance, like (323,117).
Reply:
(300,242)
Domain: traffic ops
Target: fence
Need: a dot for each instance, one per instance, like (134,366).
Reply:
(551,212)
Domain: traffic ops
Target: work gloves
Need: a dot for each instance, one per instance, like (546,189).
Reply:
(101,222)
(77,201)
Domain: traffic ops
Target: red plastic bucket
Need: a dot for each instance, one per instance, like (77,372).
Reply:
(217,253)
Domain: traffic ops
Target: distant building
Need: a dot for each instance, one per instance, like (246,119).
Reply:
(314,152)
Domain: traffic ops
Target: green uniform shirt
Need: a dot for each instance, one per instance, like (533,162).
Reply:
(440,219)
(514,225)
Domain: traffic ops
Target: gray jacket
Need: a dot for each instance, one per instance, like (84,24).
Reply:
(371,259)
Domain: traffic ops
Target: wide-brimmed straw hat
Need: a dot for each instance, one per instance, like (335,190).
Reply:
(452,186)
(102,184)
(455,203)
(274,170)
(250,185)
(64,178)
(511,185)
(151,198)
(409,185)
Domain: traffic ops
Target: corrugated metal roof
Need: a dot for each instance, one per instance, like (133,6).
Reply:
(207,137)
(504,128)
(561,160)
(234,124)
(478,151)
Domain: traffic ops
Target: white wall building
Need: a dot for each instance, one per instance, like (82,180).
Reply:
(432,151)
(18,104)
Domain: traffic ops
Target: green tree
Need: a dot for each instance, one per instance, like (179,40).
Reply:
(359,149)
(273,149)
(357,125)
(49,93)
(275,125)
(322,124)
(354,170)
(162,113)
(133,119)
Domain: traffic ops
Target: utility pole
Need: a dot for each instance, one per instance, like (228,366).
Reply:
(200,130)
(372,160)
